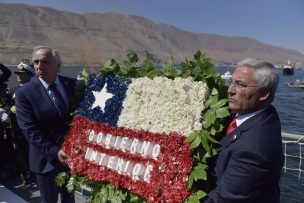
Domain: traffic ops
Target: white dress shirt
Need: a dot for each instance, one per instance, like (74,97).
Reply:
(60,88)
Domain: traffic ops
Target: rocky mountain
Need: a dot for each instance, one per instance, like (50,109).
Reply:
(94,38)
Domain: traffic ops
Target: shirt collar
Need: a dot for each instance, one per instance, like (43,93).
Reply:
(46,85)
(242,118)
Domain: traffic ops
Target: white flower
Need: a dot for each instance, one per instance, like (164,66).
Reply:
(164,105)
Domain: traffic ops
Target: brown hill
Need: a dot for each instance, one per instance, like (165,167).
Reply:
(93,38)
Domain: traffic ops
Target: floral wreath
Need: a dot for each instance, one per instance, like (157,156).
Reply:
(202,139)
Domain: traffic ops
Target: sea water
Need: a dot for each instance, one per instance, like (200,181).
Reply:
(289,102)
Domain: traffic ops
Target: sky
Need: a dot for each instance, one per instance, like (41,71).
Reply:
(274,22)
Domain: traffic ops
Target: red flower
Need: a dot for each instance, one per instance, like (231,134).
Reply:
(170,169)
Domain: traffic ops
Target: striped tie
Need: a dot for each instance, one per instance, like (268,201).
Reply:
(58,99)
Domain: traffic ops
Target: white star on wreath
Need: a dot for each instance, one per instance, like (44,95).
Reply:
(101,98)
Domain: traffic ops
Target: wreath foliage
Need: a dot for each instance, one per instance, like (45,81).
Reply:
(203,142)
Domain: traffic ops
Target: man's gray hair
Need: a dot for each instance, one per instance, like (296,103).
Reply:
(55,54)
(265,74)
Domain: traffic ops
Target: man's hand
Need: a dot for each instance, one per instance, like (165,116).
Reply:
(63,157)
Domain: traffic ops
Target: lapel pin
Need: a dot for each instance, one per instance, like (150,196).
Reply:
(234,137)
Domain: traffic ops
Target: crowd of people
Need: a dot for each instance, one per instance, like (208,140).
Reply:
(249,160)
(13,145)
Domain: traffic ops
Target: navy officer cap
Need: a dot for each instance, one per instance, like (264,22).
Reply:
(25,68)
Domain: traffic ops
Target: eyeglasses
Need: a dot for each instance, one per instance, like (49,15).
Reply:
(239,85)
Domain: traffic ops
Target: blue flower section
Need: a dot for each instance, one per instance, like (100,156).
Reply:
(117,86)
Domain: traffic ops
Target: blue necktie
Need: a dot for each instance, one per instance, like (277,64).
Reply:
(58,99)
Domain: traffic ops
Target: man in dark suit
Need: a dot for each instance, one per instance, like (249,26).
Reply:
(250,158)
(42,113)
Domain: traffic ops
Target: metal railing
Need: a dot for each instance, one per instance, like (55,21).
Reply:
(293,153)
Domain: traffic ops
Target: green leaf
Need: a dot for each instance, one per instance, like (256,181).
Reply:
(152,74)
(222,112)
(195,198)
(199,174)
(62,178)
(218,126)
(214,91)
(212,131)
(211,153)
(205,143)
(200,194)
(195,143)
(191,137)
(84,76)
(136,199)
(211,100)
(206,124)
(133,58)
(200,166)
(190,181)
(70,187)
(170,71)
(210,117)
(110,67)
(123,71)
(219,104)
(210,138)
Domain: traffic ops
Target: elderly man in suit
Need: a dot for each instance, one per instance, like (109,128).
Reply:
(42,113)
(250,158)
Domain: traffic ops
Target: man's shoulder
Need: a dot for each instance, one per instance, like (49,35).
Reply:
(67,82)
(29,86)
(65,78)
(270,116)
(265,116)
(259,127)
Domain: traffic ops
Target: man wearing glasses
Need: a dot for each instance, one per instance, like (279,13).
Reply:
(250,157)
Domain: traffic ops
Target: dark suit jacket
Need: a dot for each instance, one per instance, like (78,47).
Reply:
(249,162)
(41,123)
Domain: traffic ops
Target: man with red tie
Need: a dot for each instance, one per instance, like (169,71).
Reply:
(42,113)
(250,158)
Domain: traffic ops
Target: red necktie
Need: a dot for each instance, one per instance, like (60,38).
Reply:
(231,126)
